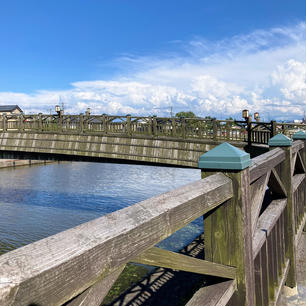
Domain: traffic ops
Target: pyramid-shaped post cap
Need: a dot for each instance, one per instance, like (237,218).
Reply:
(280,140)
(225,157)
(299,135)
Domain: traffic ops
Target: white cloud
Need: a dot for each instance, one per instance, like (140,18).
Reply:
(263,71)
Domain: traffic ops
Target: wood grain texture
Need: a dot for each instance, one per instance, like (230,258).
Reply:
(276,185)
(281,284)
(213,295)
(297,145)
(228,236)
(94,295)
(285,171)
(299,166)
(265,162)
(296,181)
(266,222)
(293,159)
(166,259)
(258,190)
(300,230)
(54,270)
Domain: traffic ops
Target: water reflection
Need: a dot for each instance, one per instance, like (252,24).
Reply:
(39,201)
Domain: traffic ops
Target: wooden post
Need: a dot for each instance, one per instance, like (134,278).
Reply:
(68,124)
(20,122)
(40,127)
(104,119)
(228,130)
(60,123)
(150,126)
(215,131)
(183,127)
(4,123)
(285,175)
(228,229)
(301,135)
(128,125)
(273,128)
(249,130)
(154,126)
(81,126)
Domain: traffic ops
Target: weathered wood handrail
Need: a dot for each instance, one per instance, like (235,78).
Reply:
(266,222)
(54,270)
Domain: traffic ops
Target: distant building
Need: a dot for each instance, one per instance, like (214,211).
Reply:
(10,109)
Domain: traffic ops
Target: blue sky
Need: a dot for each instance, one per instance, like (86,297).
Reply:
(141,57)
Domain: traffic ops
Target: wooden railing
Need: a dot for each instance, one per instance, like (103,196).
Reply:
(253,219)
(268,208)
(228,130)
(83,262)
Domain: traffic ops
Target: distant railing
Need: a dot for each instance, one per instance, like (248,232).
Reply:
(216,130)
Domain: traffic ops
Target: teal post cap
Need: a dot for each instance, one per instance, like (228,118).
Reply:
(225,157)
(280,140)
(299,135)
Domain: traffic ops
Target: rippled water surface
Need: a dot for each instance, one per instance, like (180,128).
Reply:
(39,201)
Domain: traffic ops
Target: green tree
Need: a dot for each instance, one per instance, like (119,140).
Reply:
(186,114)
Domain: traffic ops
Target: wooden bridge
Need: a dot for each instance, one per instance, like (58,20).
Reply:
(254,214)
(164,141)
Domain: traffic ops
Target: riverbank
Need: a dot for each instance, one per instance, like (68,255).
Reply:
(7,163)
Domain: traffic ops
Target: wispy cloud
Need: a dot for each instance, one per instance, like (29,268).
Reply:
(264,71)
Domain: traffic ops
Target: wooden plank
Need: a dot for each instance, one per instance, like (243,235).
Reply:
(281,283)
(94,295)
(264,275)
(284,173)
(299,166)
(276,185)
(297,146)
(271,266)
(166,259)
(297,180)
(214,295)
(275,254)
(265,162)
(228,236)
(282,231)
(294,155)
(54,270)
(279,246)
(300,230)
(258,280)
(258,190)
(266,223)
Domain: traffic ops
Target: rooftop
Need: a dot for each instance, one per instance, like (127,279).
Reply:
(9,108)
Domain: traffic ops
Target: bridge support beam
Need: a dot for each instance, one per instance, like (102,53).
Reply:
(228,229)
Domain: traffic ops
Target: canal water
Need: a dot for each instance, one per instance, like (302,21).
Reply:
(38,201)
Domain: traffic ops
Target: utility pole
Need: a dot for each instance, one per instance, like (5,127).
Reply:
(167,107)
